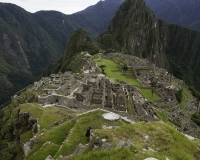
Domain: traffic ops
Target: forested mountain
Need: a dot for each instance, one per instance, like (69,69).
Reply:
(30,42)
(182,12)
(167,45)
(50,118)
(135,30)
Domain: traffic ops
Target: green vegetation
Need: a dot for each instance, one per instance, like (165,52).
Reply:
(129,107)
(162,116)
(114,73)
(166,108)
(46,116)
(26,136)
(78,43)
(163,138)
(179,96)
(107,42)
(148,94)
(48,149)
(195,93)
(56,135)
(94,120)
(184,94)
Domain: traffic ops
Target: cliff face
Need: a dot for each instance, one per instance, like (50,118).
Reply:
(182,50)
(136,30)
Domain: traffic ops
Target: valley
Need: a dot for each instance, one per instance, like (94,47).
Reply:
(130,93)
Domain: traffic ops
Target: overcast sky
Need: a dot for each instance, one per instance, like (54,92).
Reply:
(64,6)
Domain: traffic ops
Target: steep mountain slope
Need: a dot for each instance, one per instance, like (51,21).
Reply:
(182,12)
(135,28)
(138,32)
(79,42)
(26,49)
(103,10)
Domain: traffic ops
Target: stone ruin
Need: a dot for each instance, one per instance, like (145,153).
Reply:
(91,90)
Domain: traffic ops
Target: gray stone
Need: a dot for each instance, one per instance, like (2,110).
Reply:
(121,144)
(105,146)
(104,140)
(127,143)
(26,148)
(80,148)
(144,150)
(49,158)
(146,137)
(150,158)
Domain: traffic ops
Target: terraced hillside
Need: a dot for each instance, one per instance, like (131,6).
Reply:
(150,107)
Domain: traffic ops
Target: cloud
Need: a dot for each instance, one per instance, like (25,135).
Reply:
(64,6)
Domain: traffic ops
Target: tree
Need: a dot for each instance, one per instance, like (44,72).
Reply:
(103,67)
(124,68)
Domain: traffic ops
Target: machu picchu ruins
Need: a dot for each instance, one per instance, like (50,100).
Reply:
(91,89)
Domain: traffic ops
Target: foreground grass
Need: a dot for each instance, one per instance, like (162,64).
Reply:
(47,116)
(26,136)
(77,136)
(162,138)
(147,93)
(114,72)
(48,149)
(56,135)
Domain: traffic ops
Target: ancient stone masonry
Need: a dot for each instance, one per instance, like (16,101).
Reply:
(92,90)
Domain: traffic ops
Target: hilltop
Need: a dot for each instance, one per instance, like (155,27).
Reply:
(52,115)
(121,85)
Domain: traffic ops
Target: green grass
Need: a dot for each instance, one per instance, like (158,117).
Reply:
(94,120)
(166,108)
(26,136)
(125,153)
(56,135)
(34,109)
(49,149)
(95,56)
(186,94)
(129,107)
(147,93)
(163,138)
(162,116)
(51,115)
(47,116)
(110,66)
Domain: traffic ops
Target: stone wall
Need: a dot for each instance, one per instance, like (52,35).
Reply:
(60,100)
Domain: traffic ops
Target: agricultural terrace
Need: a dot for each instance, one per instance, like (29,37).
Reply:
(148,94)
(114,72)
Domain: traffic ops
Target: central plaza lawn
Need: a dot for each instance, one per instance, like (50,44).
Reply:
(147,93)
(114,73)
